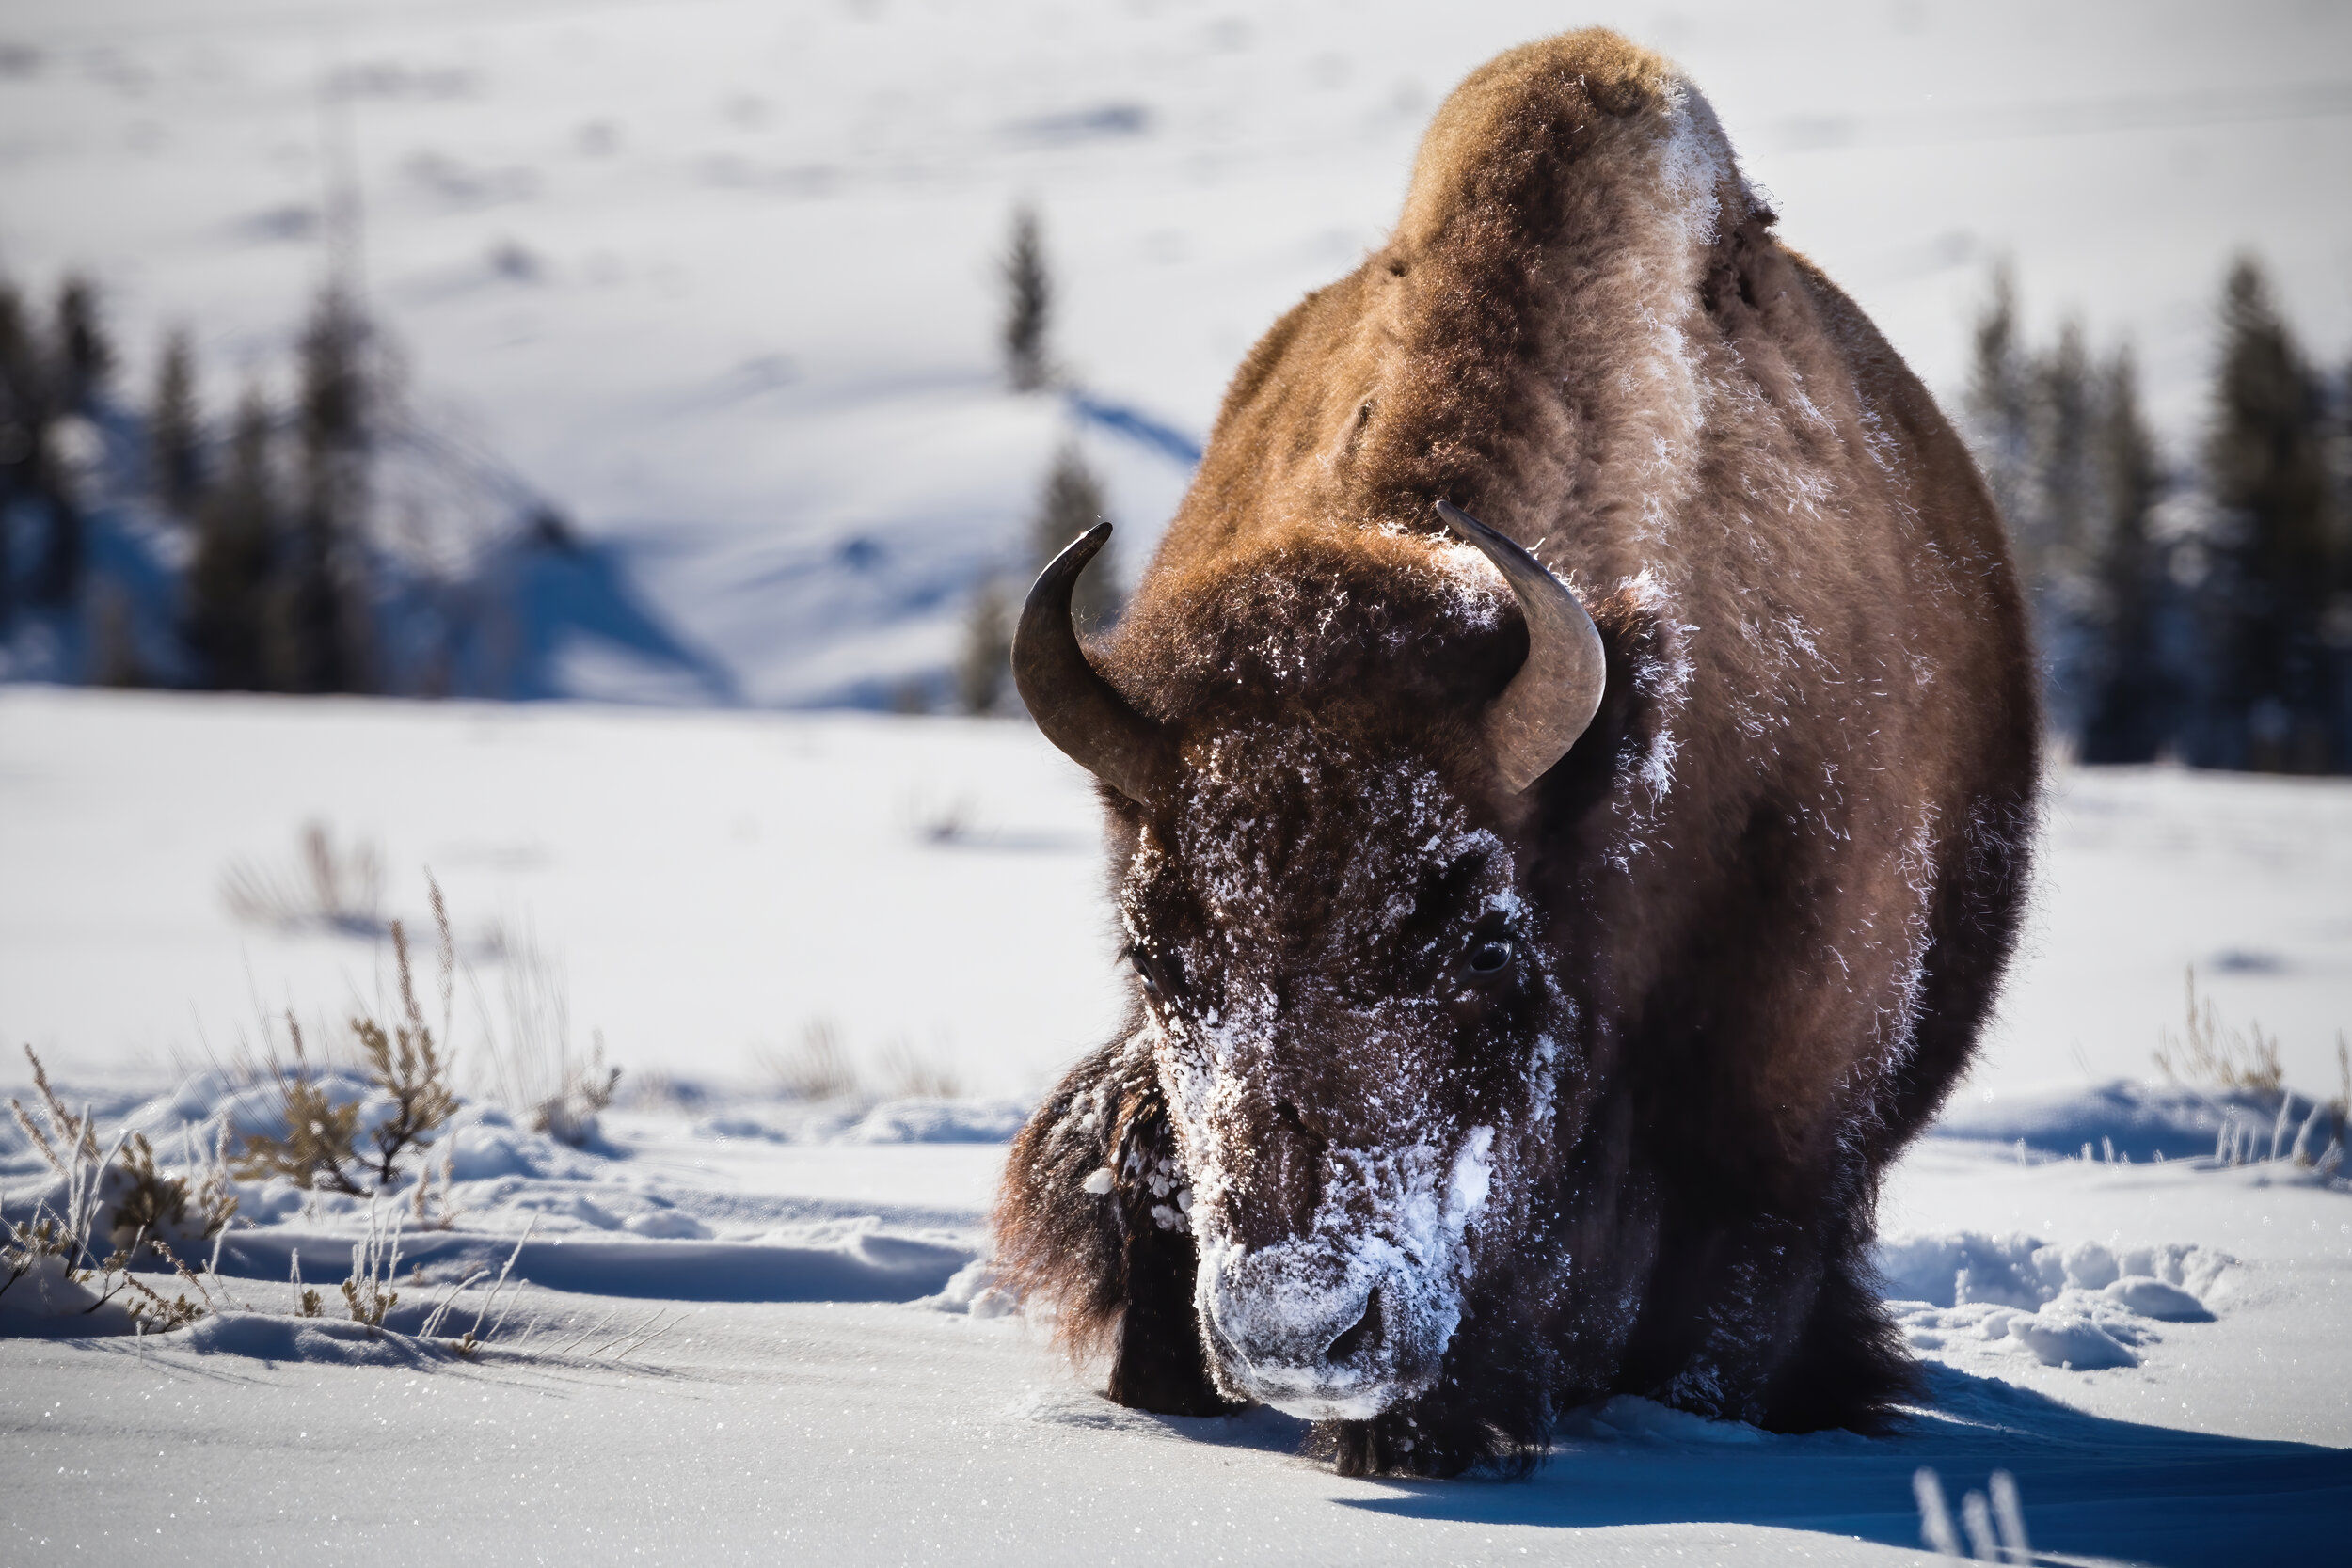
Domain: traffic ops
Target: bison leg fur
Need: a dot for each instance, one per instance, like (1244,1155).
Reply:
(1092,1219)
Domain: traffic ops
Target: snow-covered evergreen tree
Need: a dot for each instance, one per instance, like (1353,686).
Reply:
(1070,503)
(1029,305)
(2272,698)
(175,428)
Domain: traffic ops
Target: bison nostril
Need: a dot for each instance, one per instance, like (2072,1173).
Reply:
(1293,1120)
(1364,1336)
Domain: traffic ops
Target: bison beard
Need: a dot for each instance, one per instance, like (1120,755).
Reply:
(1527,1004)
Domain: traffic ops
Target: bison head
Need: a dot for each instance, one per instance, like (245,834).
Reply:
(1355,1020)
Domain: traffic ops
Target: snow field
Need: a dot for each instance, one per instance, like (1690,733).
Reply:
(707,886)
(832,1373)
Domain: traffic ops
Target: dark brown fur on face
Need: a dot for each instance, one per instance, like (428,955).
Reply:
(1757,915)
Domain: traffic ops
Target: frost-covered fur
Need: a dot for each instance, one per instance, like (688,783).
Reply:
(1341,1160)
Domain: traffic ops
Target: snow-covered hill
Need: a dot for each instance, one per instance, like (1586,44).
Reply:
(719,278)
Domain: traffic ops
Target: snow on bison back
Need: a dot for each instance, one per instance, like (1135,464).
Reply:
(1542,939)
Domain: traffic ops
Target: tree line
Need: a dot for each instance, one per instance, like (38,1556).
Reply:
(274,594)
(2197,607)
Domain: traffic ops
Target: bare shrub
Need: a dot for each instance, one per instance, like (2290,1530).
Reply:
(2210,1053)
(817,1069)
(327,887)
(320,1147)
(531,1065)
(375,1264)
(156,1203)
(909,1074)
(63,1246)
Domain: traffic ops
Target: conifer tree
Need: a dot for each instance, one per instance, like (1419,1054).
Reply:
(314,632)
(228,581)
(987,657)
(86,356)
(1997,402)
(2265,462)
(174,428)
(2061,442)
(2054,534)
(2127,712)
(19,435)
(1029,305)
(31,475)
(1070,503)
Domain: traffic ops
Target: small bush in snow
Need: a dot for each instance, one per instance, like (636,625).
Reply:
(320,1145)
(339,888)
(156,1203)
(56,1256)
(2207,1052)
(909,1074)
(817,1069)
(529,1065)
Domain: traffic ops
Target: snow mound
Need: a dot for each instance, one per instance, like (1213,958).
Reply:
(973,1292)
(2153,1298)
(2085,1308)
(893,1121)
(2063,1338)
(44,1302)
(1959,1268)
(2136,1121)
(940,1121)
(263,1337)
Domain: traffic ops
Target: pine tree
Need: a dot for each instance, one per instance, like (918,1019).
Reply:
(31,474)
(2266,460)
(21,433)
(987,657)
(86,356)
(1070,503)
(2127,712)
(2056,530)
(2335,626)
(2062,478)
(174,428)
(1029,305)
(1998,404)
(229,580)
(315,635)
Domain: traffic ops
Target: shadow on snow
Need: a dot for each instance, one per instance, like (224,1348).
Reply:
(2091,1484)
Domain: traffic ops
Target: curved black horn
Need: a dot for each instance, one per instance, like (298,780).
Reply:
(1557,692)
(1080,712)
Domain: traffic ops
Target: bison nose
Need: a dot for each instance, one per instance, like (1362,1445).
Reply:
(1361,1337)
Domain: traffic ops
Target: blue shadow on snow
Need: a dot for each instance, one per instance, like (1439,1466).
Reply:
(2090,1485)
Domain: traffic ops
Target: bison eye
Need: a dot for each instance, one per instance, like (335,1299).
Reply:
(1491,955)
(1143,971)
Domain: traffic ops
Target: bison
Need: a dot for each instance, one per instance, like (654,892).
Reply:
(1544,930)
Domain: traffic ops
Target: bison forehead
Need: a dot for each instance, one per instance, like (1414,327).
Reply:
(1295,843)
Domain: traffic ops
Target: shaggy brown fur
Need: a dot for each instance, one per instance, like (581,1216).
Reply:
(1764,903)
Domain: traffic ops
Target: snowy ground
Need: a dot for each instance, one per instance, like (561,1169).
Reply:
(2157,1350)
(719,277)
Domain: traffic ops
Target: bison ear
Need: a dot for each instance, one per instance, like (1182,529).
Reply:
(1552,699)
(1078,710)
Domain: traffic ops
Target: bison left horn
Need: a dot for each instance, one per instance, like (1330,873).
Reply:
(1078,710)
(1556,692)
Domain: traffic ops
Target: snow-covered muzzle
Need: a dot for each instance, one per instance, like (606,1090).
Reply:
(1358,1034)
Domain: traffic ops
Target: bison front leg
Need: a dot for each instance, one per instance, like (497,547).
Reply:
(1093,1218)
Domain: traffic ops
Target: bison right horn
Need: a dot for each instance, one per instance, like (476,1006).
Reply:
(1078,710)
(1556,692)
